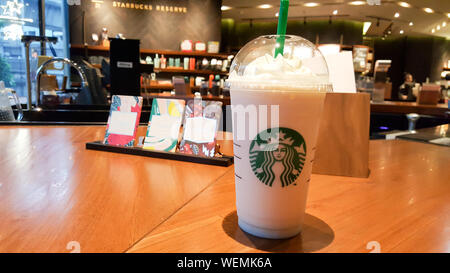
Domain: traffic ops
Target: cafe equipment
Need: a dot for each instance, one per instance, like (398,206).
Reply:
(27,40)
(412,119)
(180,85)
(42,69)
(6,112)
(204,88)
(380,77)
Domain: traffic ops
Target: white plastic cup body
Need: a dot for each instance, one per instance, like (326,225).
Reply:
(273,211)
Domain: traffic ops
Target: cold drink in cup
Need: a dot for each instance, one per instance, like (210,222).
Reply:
(276,108)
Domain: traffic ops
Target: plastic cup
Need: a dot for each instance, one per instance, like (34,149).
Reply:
(276,109)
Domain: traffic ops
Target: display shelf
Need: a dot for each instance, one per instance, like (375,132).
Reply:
(156,51)
(224,160)
(168,95)
(185,53)
(164,87)
(189,71)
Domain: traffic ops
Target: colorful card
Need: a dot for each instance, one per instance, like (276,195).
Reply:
(164,125)
(123,120)
(201,122)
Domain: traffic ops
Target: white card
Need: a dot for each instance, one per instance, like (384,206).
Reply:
(342,73)
(122,123)
(164,126)
(200,130)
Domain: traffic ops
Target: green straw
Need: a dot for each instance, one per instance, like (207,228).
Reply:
(282,24)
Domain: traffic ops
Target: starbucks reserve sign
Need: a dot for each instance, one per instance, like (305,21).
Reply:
(149,7)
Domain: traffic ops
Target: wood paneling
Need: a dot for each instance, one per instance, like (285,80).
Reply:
(237,34)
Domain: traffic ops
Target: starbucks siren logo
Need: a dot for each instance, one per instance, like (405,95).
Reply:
(277,155)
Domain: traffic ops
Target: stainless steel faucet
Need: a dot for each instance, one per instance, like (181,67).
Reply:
(41,70)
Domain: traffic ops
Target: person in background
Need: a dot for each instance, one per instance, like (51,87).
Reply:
(405,91)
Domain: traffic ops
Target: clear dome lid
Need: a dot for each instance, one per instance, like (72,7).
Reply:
(301,65)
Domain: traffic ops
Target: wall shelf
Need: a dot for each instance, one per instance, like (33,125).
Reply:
(155,51)
(195,71)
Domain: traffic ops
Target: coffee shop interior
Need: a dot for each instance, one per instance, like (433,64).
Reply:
(63,63)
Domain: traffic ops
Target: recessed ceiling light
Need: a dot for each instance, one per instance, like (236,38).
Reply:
(357,3)
(438,27)
(311,4)
(401,31)
(276,14)
(225,8)
(335,12)
(396,15)
(448,15)
(444,24)
(404,4)
(432,31)
(265,6)
(428,10)
(411,24)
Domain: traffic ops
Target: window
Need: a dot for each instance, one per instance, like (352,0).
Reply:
(21,17)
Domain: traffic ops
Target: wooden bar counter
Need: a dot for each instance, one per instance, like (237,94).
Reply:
(53,191)
(403,107)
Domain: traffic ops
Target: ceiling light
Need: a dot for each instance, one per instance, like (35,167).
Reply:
(276,14)
(311,4)
(448,15)
(444,24)
(404,4)
(225,8)
(411,24)
(265,6)
(428,10)
(438,27)
(357,3)
(432,31)
(335,12)
(396,15)
(366,27)
(401,31)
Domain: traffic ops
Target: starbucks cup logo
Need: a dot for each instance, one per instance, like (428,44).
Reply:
(277,156)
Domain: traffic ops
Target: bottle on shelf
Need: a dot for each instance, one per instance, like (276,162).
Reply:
(186,63)
(156,61)
(210,82)
(163,62)
(192,63)
(148,60)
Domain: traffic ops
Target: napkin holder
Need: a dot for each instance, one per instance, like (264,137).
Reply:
(343,141)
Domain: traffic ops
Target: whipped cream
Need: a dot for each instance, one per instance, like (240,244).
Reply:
(279,71)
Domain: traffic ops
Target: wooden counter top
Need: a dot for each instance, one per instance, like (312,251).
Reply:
(54,191)
(403,107)
(404,205)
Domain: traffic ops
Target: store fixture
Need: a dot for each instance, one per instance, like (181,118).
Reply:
(194,68)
